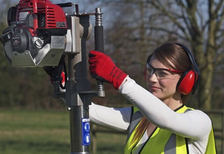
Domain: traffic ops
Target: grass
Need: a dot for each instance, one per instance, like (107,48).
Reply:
(48,132)
(45,132)
(110,143)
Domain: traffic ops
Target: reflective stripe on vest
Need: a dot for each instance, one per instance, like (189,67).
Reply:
(135,119)
(169,143)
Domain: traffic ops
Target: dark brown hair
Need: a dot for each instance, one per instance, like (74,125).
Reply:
(172,56)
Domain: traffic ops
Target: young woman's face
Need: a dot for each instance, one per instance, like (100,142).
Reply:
(161,81)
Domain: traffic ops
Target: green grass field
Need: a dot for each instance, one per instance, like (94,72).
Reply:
(48,132)
(45,132)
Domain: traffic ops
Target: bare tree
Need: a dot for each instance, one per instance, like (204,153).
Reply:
(133,28)
(147,23)
(200,24)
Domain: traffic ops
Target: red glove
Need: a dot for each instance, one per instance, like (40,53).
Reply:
(56,75)
(103,68)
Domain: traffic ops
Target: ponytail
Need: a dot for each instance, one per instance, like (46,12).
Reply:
(141,128)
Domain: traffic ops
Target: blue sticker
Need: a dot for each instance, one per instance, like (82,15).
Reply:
(85,131)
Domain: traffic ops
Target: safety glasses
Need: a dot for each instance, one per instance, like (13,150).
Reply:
(161,73)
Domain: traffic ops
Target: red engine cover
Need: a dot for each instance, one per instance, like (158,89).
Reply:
(40,14)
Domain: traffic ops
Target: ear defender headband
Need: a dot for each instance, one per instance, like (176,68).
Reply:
(189,80)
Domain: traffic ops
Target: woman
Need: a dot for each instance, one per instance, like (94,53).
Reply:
(159,122)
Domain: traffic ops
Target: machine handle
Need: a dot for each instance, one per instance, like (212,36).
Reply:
(99,45)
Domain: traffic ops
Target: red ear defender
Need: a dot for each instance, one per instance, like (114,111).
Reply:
(186,83)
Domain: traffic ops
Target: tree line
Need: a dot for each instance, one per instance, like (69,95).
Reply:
(133,29)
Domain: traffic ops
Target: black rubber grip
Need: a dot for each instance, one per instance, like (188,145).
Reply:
(99,44)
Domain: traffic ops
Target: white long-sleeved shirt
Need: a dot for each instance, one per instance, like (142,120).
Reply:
(195,124)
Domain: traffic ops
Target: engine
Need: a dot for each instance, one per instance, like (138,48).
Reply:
(37,33)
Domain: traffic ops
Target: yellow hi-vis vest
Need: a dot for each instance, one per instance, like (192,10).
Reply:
(163,141)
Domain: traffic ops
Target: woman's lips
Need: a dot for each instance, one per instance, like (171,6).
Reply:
(153,88)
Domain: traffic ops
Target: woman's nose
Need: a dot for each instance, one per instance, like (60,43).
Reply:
(152,77)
